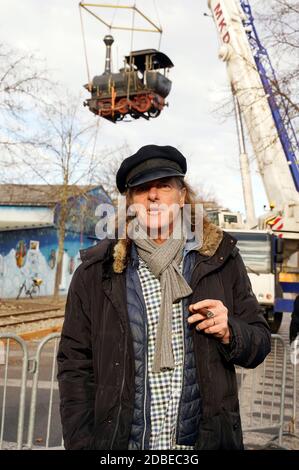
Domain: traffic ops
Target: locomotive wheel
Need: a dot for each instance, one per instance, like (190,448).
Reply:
(141,103)
(105,108)
(122,106)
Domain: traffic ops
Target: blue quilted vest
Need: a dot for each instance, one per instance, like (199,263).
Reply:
(189,413)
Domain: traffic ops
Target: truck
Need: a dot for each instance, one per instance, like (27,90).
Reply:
(269,244)
(261,251)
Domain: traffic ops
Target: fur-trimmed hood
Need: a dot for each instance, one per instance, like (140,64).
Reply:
(211,239)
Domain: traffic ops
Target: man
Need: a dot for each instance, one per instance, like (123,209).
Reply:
(155,322)
(294,325)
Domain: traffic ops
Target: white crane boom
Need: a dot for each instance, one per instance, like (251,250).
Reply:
(247,86)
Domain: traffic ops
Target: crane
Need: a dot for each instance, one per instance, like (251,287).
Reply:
(246,61)
(265,112)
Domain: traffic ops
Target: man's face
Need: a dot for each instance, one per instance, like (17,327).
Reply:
(158,203)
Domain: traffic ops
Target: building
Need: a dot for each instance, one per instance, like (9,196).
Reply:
(29,219)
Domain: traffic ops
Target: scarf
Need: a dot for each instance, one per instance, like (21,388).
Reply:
(163,261)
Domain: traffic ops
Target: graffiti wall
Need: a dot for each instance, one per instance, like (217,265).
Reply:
(32,253)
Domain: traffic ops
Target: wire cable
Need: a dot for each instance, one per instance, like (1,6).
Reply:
(84,46)
(131,48)
(114,14)
(159,22)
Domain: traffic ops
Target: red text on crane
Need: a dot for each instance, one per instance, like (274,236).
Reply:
(221,23)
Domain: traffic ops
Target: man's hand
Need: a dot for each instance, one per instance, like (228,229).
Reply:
(217,325)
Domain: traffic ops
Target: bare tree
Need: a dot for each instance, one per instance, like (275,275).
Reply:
(46,136)
(66,153)
(280,27)
(107,176)
(24,81)
(276,23)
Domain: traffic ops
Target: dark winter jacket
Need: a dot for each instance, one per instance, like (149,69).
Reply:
(294,325)
(96,366)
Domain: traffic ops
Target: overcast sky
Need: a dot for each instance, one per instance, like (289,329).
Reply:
(51,29)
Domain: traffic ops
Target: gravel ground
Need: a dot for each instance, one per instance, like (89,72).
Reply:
(11,306)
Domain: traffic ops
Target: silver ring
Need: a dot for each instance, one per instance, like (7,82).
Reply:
(210,314)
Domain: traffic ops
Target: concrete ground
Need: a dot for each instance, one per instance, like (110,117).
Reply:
(261,399)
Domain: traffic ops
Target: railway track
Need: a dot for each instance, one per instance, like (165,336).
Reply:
(30,316)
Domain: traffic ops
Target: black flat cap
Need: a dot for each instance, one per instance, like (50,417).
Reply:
(149,163)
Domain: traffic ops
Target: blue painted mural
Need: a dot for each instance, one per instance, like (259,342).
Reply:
(29,253)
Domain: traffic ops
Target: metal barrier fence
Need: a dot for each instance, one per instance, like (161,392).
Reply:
(294,357)
(35,388)
(38,416)
(262,394)
(271,407)
(10,359)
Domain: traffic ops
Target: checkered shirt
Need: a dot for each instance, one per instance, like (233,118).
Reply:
(165,386)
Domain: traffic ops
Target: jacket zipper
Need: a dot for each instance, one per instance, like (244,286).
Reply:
(141,300)
(179,408)
(176,435)
(180,402)
(121,392)
(145,391)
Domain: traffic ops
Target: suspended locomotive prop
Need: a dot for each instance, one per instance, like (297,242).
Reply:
(138,89)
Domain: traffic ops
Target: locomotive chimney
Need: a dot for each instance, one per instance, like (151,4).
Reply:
(108,40)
